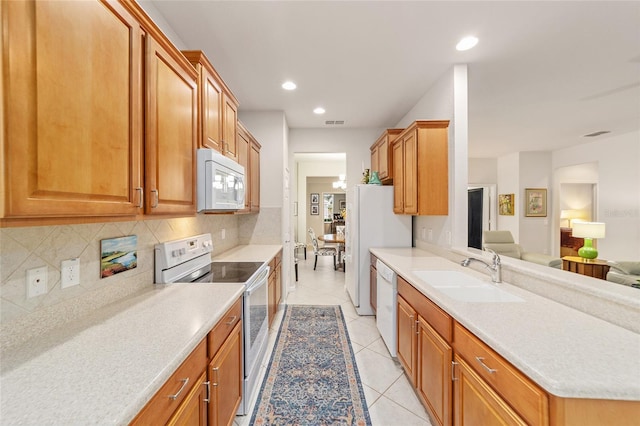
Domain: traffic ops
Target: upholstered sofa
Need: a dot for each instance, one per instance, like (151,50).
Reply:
(502,243)
(624,272)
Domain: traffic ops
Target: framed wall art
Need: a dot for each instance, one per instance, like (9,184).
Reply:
(315,198)
(535,202)
(506,204)
(315,209)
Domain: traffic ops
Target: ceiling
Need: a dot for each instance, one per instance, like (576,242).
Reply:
(543,75)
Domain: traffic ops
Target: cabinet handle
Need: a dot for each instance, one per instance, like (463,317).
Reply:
(184,383)
(413,323)
(417,327)
(486,367)
(453,371)
(156,199)
(140,197)
(232,320)
(207,384)
(215,370)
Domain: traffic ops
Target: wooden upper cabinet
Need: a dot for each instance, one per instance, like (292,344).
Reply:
(398,172)
(171,119)
(73,109)
(421,178)
(218,108)
(382,155)
(249,157)
(254,175)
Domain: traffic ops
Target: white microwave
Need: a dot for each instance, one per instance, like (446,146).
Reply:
(221,183)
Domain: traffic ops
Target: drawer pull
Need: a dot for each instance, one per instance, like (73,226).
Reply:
(232,320)
(140,197)
(184,383)
(486,367)
(453,371)
(215,370)
(208,385)
(156,198)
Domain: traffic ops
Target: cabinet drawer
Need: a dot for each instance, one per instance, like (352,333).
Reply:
(163,404)
(218,335)
(521,393)
(437,318)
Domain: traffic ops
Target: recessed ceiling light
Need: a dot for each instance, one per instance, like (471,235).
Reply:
(319,110)
(289,85)
(467,43)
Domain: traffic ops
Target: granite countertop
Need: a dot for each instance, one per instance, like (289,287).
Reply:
(567,352)
(104,368)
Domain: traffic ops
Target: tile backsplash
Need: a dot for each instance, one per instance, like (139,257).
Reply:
(29,247)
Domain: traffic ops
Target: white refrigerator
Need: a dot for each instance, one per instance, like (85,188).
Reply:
(370,222)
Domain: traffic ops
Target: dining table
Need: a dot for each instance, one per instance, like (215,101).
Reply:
(336,239)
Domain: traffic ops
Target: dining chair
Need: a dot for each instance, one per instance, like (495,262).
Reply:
(322,251)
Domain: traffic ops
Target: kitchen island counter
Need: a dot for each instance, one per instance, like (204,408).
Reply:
(569,353)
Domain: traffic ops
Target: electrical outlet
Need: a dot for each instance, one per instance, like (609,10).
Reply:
(37,281)
(223,234)
(70,273)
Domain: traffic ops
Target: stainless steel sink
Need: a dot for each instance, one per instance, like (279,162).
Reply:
(465,288)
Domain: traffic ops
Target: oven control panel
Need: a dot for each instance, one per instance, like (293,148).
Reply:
(176,252)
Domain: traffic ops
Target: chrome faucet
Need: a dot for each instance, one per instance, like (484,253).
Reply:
(495,267)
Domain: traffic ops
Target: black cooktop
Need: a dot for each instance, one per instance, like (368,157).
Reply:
(232,272)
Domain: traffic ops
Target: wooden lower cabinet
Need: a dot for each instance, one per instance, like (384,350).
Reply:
(434,372)
(373,284)
(476,403)
(426,357)
(407,342)
(274,286)
(225,378)
(207,387)
(193,411)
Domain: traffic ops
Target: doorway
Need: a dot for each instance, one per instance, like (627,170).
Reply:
(474,233)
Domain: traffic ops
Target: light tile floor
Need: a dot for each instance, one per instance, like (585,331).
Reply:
(390,397)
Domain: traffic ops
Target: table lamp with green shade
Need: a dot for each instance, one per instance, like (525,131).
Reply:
(588,231)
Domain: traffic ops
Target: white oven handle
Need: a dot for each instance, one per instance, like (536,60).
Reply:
(258,282)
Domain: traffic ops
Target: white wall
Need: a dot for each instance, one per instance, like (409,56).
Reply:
(509,183)
(447,100)
(535,172)
(618,190)
(483,170)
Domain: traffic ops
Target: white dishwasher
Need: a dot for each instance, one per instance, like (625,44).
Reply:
(387,302)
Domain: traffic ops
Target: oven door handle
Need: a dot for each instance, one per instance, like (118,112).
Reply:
(262,278)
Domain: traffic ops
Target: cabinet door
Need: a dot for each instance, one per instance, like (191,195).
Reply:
(244,153)
(193,411)
(373,288)
(375,163)
(278,289)
(271,298)
(383,159)
(407,339)
(73,126)
(434,372)
(211,93)
(475,402)
(226,380)
(254,162)
(410,168)
(229,130)
(398,177)
(170,157)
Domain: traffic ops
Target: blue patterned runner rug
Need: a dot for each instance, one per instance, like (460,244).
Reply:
(312,377)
